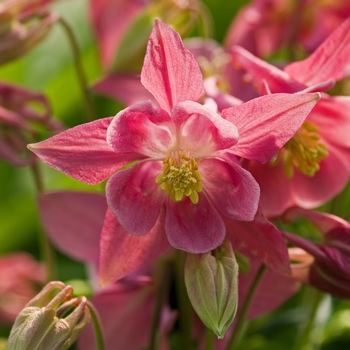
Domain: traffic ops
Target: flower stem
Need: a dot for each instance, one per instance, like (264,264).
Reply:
(209,344)
(241,320)
(311,301)
(97,326)
(185,307)
(47,252)
(90,113)
(164,284)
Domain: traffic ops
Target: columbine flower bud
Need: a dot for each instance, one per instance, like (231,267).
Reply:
(212,283)
(23,24)
(50,322)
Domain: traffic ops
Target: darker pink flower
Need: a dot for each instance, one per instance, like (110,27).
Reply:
(265,26)
(325,264)
(186,178)
(21,111)
(314,165)
(20,278)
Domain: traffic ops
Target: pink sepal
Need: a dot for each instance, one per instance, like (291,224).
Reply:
(170,72)
(123,253)
(329,61)
(73,221)
(257,118)
(82,152)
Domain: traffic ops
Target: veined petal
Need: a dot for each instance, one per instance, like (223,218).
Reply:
(142,129)
(202,131)
(123,253)
(259,239)
(329,61)
(73,221)
(232,190)
(266,123)
(82,152)
(323,221)
(310,192)
(135,198)
(193,228)
(170,72)
(277,80)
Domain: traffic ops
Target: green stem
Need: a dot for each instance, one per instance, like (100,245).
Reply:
(47,252)
(164,283)
(209,344)
(97,326)
(90,113)
(185,307)
(241,320)
(311,301)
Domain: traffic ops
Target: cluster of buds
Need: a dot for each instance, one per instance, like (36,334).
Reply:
(324,265)
(49,322)
(23,24)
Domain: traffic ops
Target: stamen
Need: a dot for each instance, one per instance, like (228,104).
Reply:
(180,177)
(304,151)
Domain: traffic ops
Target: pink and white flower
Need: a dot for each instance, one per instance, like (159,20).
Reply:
(185,178)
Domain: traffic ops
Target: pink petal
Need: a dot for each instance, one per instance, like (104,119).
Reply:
(275,187)
(323,221)
(123,253)
(142,129)
(259,239)
(12,155)
(111,19)
(266,123)
(194,228)
(233,190)
(73,221)
(223,99)
(170,72)
(203,131)
(82,152)
(277,80)
(122,310)
(331,115)
(124,87)
(329,61)
(135,198)
(310,192)
(273,290)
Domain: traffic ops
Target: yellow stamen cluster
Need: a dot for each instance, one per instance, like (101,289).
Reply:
(180,177)
(304,151)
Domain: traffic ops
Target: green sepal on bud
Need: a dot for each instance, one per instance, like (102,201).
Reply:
(48,322)
(212,286)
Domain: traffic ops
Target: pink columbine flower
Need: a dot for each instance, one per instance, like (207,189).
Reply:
(265,26)
(186,178)
(18,122)
(314,165)
(324,264)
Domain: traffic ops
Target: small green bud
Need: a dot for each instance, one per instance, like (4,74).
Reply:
(50,322)
(212,286)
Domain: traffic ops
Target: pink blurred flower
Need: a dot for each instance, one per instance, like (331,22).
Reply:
(21,111)
(24,23)
(314,165)
(187,169)
(324,265)
(20,280)
(265,26)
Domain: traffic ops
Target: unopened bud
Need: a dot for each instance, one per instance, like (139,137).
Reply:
(50,322)
(212,286)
